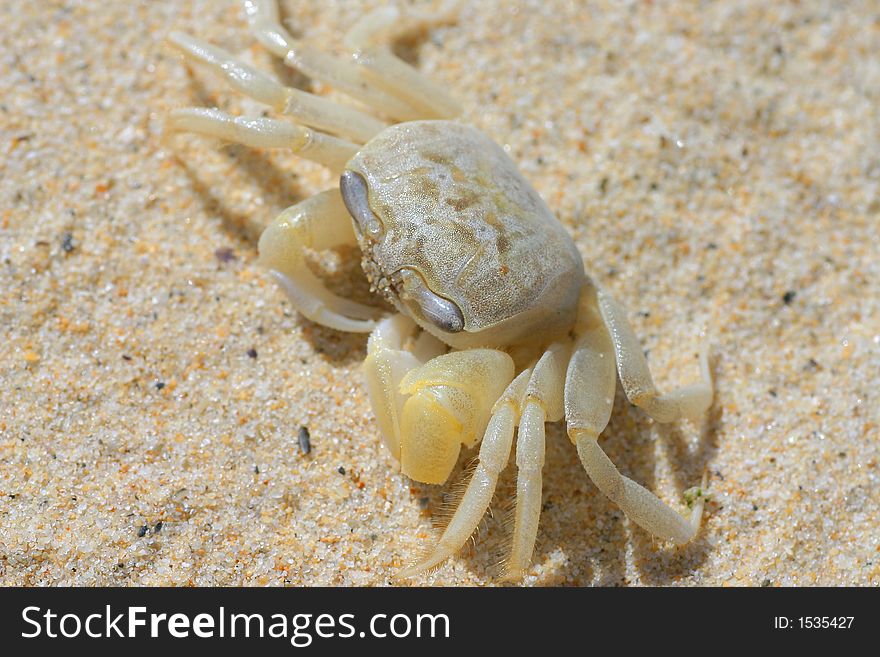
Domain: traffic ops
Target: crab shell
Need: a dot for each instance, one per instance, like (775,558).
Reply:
(455,237)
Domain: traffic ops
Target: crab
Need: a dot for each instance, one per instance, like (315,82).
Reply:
(498,328)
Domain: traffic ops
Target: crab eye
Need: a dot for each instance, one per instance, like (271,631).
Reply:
(418,297)
(354,194)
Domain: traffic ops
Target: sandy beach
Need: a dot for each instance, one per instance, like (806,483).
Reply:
(718,166)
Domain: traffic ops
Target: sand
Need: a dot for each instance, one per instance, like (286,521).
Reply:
(718,166)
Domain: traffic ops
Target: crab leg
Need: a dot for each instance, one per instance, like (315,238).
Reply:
(494,455)
(343,75)
(635,376)
(264,133)
(369,39)
(589,395)
(543,402)
(386,364)
(319,222)
(304,107)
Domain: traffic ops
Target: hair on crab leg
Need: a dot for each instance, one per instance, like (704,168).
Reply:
(319,222)
(340,74)
(370,40)
(259,132)
(494,454)
(305,108)
(493,458)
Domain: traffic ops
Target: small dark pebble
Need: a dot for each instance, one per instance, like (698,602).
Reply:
(788,297)
(766,582)
(252,353)
(771,392)
(142,531)
(256,469)
(305,443)
(126,357)
(224,254)
(754,507)
(812,364)
(158,527)
(160,385)
(340,470)
(12,496)
(67,242)
(711,246)
(423,502)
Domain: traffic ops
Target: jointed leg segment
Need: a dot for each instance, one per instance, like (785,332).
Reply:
(308,109)
(375,76)
(260,132)
(638,384)
(543,402)
(534,397)
(319,222)
(589,395)
(343,75)
(370,40)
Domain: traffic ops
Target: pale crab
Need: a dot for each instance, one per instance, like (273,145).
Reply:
(499,330)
